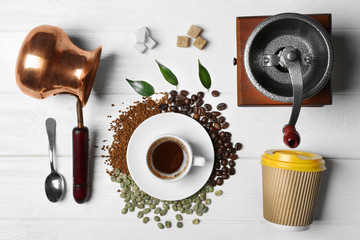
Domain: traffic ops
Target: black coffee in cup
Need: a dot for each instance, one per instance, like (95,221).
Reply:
(167,157)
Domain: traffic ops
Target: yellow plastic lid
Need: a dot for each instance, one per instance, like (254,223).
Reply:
(293,160)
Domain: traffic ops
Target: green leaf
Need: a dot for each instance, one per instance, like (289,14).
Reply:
(141,87)
(168,74)
(204,76)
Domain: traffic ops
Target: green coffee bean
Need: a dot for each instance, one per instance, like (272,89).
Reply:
(152,206)
(131,209)
(122,184)
(140,206)
(138,199)
(127,199)
(147,197)
(163,212)
(218,192)
(205,210)
(198,201)
(146,220)
(168,224)
(118,180)
(174,207)
(178,217)
(148,202)
(123,195)
(124,211)
(176,202)
(201,207)
(202,196)
(135,188)
(179,224)
(140,214)
(134,204)
(157,210)
(187,206)
(182,210)
(124,176)
(117,171)
(156,201)
(189,211)
(137,193)
(184,201)
(208,201)
(199,213)
(131,184)
(157,218)
(129,176)
(127,205)
(196,221)
(146,210)
(165,206)
(142,202)
(133,198)
(113,178)
(211,189)
(160,225)
(195,207)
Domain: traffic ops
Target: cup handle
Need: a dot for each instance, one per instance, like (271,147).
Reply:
(198,161)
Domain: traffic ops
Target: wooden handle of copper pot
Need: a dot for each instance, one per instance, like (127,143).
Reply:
(291,137)
(81,164)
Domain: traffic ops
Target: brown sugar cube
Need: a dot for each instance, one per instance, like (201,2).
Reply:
(183,41)
(194,31)
(199,43)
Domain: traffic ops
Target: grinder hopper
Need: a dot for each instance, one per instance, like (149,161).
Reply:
(289,58)
(48,64)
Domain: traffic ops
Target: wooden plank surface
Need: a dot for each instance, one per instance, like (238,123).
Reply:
(332,131)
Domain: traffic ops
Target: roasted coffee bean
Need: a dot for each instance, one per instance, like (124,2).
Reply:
(173,93)
(224,170)
(226,139)
(204,120)
(184,92)
(208,124)
(232,171)
(224,162)
(200,95)
(201,111)
(222,134)
(219,181)
(182,112)
(228,144)
(232,164)
(221,119)
(233,156)
(220,151)
(216,145)
(171,99)
(223,148)
(238,146)
(219,157)
(232,150)
(225,125)
(214,135)
(208,115)
(227,154)
(196,116)
(221,106)
(190,111)
(217,126)
(194,98)
(199,102)
(180,97)
(227,134)
(179,103)
(163,106)
(225,176)
(215,113)
(218,173)
(215,93)
(207,107)
(187,101)
(212,182)
(217,165)
(195,109)
(174,109)
(212,129)
(220,142)
(185,108)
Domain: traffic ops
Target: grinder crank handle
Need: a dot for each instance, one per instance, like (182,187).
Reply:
(81,164)
(290,59)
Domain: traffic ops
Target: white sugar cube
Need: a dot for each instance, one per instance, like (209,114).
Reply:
(140,47)
(150,43)
(141,35)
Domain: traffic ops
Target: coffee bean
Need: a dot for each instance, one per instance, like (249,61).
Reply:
(180,97)
(215,93)
(184,92)
(212,129)
(163,106)
(174,109)
(200,95)
(195,109)
(179,103)
(194,98)
(222,147)
(215,113)
(222,134)
(199,102)
(185,108)
(232,164)
(217,165)
(171,99)
(212,183)
(204,120)
(196,116)
(227,134)
(220,151)
(225,176)
(207,107)
(201,111)
(225,125)
(232,150)
(238,146)
(218,172)
(213,119)
(214,135)
(182,112)
(219,181)
(173,93)
(187,101)
(227,154)
(228,144)
(219,157)
(232,171)
(226,139)
(221,106)
(224,162)
(220,142)
(233,156)
(224,170)
(208,115)
(221,119)
(217,126)
(190,111)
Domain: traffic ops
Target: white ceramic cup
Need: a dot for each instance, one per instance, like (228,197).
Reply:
(188,162)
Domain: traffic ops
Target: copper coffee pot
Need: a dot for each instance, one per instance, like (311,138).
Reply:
(49,64)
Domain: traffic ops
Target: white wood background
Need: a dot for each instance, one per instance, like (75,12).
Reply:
(333,131)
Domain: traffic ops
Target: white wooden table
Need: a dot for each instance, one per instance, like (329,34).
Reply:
(333,131)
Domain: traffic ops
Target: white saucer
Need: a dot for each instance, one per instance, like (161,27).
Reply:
(180,125)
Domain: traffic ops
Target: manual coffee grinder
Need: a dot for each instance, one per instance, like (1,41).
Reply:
(48,64)
(285,59)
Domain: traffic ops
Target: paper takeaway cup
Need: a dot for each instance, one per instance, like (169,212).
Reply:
(291,181)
